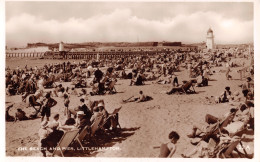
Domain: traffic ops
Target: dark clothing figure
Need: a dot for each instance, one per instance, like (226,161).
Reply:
(86,111)
(52,140)
(20,115)
(98,75)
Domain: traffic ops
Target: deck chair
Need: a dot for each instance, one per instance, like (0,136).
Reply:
(114,113)
(83,134)
(65,141)
(96,125)
(226,149)
(217,127)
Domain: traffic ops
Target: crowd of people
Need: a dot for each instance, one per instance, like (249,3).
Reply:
(39,86)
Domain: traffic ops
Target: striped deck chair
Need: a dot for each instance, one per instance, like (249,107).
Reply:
(96,125)
(113,114)
(65,142)
(218,127)
(226,149)
(82,134)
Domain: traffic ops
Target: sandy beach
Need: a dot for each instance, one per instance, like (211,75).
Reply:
(144,125)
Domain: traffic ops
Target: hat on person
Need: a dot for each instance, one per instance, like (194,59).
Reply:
(80,113)
(44,124)
(96,109)
(100,105)
(227,88)
(249,79)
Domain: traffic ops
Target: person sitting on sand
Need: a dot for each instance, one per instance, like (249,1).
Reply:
(138,80)
(225,96)
(57,89)
(168,149)
(8,117)
(20,115)
(83,94)
(33,100)
(175,80)
(246,87)
(10,90)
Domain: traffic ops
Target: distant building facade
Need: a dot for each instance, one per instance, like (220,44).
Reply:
(210,39)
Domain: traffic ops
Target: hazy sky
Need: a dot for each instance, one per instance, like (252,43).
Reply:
(30,22)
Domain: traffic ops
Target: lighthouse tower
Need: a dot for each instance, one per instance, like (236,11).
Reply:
(210,39)
(61,47)
(62,51)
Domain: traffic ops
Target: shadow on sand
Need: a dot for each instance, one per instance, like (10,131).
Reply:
(101,141)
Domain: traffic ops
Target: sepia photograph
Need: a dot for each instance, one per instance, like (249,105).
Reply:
(151,79)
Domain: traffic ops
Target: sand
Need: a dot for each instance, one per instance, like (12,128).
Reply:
(145,125)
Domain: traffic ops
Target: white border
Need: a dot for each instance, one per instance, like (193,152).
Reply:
(257,112)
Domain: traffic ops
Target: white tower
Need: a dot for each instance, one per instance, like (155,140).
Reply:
(61,47)
(210,39)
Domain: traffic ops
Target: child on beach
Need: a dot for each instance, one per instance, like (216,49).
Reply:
(168,149)
(66,106)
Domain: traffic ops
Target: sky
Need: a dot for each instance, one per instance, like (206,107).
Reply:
(76,22)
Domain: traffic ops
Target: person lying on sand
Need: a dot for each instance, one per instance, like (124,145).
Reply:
(165,79)
(141,98)
(167,150)
(183,88)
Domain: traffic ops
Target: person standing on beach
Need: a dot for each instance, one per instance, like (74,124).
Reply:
(66,106)
(48,104)
(228,71)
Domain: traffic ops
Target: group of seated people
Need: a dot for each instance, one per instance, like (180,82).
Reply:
(228,96)
(218,130)
(103,83)
(51,132)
